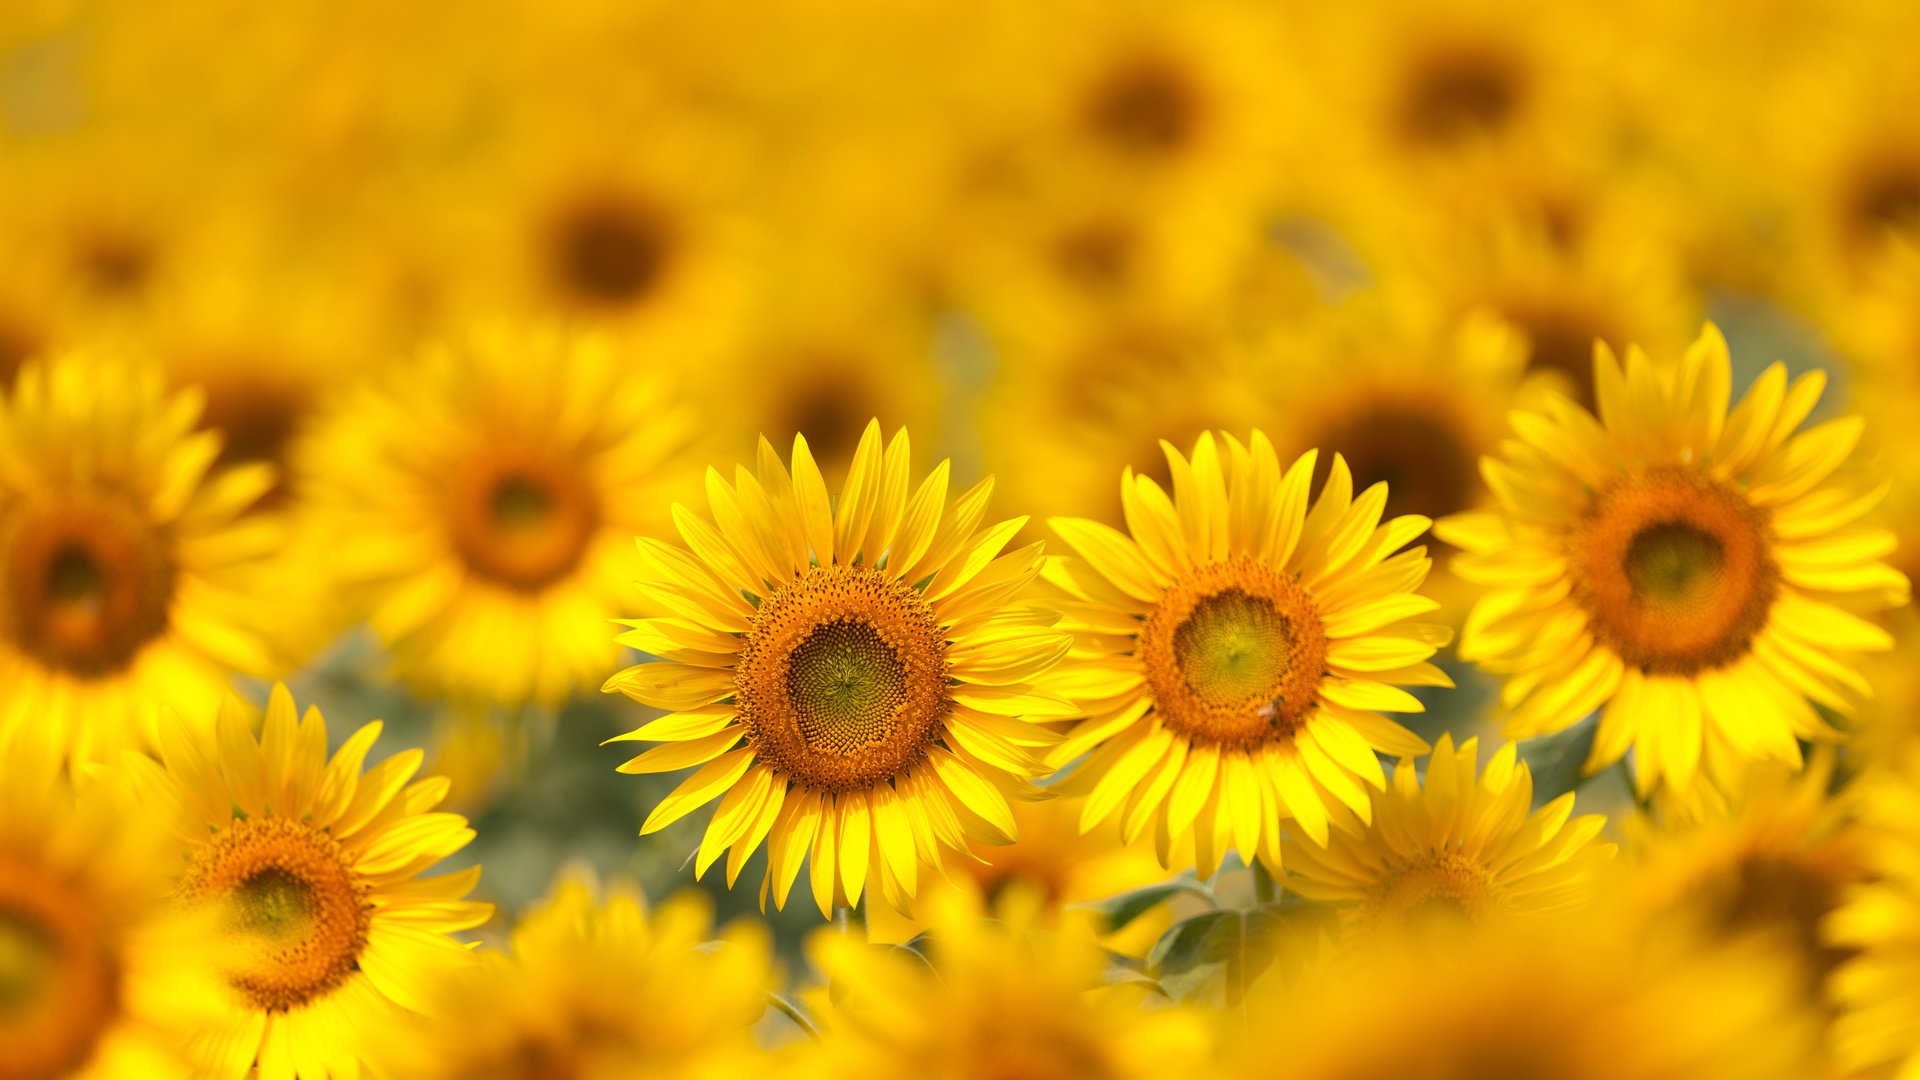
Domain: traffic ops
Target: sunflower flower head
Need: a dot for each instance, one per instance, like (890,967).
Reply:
(100,976)
(1011,995)
(1235,650)
(123,559)
(596,987)
(853,676)
(1677,566)
(1463,847)
(312,866)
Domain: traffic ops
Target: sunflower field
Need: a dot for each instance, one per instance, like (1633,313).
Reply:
(1016,540)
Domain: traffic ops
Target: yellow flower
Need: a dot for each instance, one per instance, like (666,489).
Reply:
(1668,563)
(123,561)
(1461,847)
(994,997)
(312,866)
(100,977)
(596,989)
(1572,998)
(481,501)
(1234,653)
(856,680)
(1878,1030)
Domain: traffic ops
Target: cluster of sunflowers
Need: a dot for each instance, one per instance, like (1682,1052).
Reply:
(347,348)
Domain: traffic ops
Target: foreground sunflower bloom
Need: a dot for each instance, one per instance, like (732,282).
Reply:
(996,994)
(855,680)
(1674,565)
(481,500)
(1234,653)
(122,560)
(100,976)
(1461,848)
(596,989)
(313,867)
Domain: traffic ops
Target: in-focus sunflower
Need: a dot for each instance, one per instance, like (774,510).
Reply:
(481,499)
(124,563)
(596,989)
(100,976)
(1674,565)
(1001,996)
(1234,653)
(1461,847)
(855,679)
(313,867)
(1572,998)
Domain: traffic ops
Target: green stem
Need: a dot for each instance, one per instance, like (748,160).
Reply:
(1265,889)
(794,1013)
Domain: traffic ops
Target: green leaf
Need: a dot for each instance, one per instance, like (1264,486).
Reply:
(1116,912)
(1555,760)
(1216,956)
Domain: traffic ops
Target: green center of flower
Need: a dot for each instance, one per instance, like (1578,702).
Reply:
(1233,647)
(846,684)
(522,516)
(27,962)
(521,503)
(1674,565)
(275,904)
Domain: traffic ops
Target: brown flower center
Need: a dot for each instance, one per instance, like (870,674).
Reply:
(522,517)
(609,252)
(1426,461)
(1234,653)
(1675,571)
(1438,891)
(1560,339)
(842,678)
(1886,199)
(1460,93)
(292,901)
(1146,108)
(88,583)
(59,978)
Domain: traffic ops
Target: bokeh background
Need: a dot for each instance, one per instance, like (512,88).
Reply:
(1041,236)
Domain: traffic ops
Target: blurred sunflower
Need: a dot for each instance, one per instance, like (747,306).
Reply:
(124,561)
(1572,999)
(1665,563)
(595,989)
(312,866)
(1461,848)
(1775,861)
(100,978)
(480,500)
(1004,996)
(1876,931)
(1235,651)
(856,680)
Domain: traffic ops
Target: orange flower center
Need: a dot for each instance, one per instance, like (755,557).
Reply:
(1234,653)
(1440,891)
(88,582)
(1675,571)
(842,678)
(522,517)
(292,900)
(59,979)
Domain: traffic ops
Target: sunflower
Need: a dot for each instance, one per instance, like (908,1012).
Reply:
(100,977)
(1462,847)
(1671,565)
(1057,862)
(1571,998)
(124,561)
(1877,928)
(1234,652)
(1775,861)
(312,867)
(856,680)
(480,499)
(595,989)
(1006,996)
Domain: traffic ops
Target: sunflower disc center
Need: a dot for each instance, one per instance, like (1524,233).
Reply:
(288,895)
(521,517)
(1234,653)
(59,978)
(1675,571)
(609,252)
(1427,463)
(1440,891)
(87,585)
(842,679)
